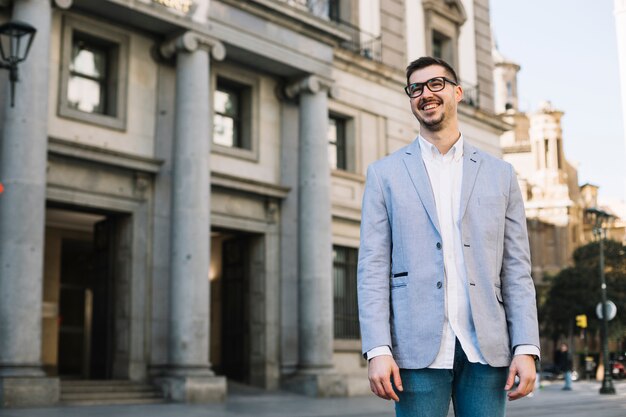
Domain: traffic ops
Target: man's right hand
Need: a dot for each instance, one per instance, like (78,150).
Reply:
(380,370)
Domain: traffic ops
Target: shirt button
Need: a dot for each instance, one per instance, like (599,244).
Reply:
(438,245)
(439,284)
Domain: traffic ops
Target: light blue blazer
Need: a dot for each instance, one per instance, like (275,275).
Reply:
(401,284)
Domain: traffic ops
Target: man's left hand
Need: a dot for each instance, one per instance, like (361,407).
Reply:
(524,367)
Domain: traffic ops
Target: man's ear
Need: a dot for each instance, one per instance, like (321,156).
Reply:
(458,93)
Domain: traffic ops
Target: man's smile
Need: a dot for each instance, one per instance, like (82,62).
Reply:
(429,105)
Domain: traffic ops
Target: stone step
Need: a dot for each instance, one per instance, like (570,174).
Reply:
(109,395)
(116,401)
(96,382)
(90,392)
(107,388)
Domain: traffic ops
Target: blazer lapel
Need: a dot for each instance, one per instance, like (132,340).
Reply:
(471,163)
(417,171)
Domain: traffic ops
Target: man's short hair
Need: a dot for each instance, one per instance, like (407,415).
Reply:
(427,61)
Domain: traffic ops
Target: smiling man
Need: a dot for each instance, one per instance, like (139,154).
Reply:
(446,300)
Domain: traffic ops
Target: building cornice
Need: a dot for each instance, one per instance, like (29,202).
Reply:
(292,18)
(266,189)
(366,68)
(518,148)
(478,116)
(62,147)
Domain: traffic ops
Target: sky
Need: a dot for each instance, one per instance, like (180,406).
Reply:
(567,50)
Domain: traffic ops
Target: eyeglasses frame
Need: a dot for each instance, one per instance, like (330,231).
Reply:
(425,84)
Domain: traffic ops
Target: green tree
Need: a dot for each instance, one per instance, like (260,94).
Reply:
(576,290)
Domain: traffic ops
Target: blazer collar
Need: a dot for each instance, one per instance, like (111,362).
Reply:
(471,164)
(419,176)
(417,171)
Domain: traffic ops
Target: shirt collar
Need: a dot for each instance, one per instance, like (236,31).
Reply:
(430,151)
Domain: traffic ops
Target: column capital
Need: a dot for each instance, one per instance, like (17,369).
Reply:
(62,4)
(191,41)
(311,84)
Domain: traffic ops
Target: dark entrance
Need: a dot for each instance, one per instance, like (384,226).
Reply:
(236,309)
(86,304)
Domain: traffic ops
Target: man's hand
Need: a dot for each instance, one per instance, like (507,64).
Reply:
(379,372)
(524,367)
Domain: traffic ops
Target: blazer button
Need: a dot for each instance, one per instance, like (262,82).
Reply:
(438,245)
(439,284)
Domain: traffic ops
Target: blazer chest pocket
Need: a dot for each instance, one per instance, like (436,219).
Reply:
(399,280)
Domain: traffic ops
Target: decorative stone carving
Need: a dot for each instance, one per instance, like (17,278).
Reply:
(311,84)
(62,4)
(189,42)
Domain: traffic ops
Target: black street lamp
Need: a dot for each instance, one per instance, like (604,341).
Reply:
(15,41)
(599,232)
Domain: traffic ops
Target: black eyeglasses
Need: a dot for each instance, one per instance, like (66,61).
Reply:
(434,85)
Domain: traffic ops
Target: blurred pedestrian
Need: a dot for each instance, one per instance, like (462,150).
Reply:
(565,364)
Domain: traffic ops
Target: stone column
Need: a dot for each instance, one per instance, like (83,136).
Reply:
(189,377)
(316,375)
(22,220)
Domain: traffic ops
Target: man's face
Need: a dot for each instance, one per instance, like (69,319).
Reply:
(435,111)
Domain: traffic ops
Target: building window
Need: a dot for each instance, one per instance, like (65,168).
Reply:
(227,119)
(94,73)
(345,297)
(333,11)
(442,24)
(442,47)
(231,119)
(90,87)
(337,148)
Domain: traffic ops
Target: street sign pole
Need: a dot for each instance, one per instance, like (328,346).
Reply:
(607,381)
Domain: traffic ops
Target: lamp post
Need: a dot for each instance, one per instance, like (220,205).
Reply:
(15,41)
(599,232)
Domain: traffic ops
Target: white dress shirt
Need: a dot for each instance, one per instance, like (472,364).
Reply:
(445,173)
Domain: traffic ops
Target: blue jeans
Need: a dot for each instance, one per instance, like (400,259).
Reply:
(476,390)
(568,380)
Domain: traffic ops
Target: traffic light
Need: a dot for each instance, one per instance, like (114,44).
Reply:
(581,321)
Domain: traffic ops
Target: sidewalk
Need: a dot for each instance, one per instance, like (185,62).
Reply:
(583,401)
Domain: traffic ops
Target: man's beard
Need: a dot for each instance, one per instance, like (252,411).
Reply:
(433,125)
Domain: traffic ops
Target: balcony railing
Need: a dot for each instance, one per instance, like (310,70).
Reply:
(470,95)
(363,43)
(300,4)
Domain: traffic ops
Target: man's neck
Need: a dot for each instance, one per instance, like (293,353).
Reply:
(443,140)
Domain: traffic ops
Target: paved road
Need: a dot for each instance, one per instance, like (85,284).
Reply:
(550,401)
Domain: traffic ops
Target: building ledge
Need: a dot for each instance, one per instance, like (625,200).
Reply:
(370,69)
(353,176)
(486,118)
(299,20)
(519,148)
(247,185)
(110,157)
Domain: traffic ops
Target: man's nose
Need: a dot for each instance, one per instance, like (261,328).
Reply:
(426,93)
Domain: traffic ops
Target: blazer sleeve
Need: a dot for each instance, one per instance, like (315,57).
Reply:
(374,266)
(518,289)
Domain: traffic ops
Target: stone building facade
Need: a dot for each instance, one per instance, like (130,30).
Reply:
(549,182)
(182,185)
